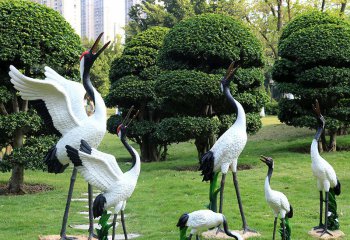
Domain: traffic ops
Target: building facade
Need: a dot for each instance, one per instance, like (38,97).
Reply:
(69,9)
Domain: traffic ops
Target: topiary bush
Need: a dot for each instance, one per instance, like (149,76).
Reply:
(315,60)
(31,37)
(209,41)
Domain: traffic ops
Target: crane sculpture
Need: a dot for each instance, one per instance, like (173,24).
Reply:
(326,177)
(64,108)
(101,170)
(278,202)
(200,221)
(226,150)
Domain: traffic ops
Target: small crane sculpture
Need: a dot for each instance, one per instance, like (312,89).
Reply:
(326,177)
(277,201)
(101,170)
(200,221)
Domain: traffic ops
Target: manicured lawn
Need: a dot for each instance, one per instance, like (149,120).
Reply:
(165,190)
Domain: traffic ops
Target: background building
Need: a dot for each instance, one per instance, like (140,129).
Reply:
(128,5)
(69,9)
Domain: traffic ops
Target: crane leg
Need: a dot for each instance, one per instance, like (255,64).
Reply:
(274,229)
(245,226)
(190,237)
(283,229)
(114,222)
(222,185)
(321,212)
(325,230)
(197,237)
(66,211)
(91,219)
(123,224)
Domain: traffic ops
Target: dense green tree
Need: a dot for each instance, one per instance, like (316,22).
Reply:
(196,53)
(132,83)
(31,37)
(315,60)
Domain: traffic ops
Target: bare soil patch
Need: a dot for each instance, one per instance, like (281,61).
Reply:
(31,188)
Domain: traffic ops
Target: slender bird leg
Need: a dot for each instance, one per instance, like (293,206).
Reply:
(113,224)
(66,211)
(190,237)
(274,229)
(321,212)
(222,192)
(123,224)
(324,231)
(283,229)
(91,219)
(245,226)
(197,237)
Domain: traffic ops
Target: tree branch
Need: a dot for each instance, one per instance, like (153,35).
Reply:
(271,7)
(15,103)
(24,107)
(343,6)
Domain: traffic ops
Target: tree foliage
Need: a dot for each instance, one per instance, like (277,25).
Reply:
(32,37)
(315,61)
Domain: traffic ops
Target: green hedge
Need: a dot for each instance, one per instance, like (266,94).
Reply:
(209,41)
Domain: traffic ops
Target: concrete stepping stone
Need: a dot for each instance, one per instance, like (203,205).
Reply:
(121,236)
(94,194)
(87,213)
(86,226)
(79,200)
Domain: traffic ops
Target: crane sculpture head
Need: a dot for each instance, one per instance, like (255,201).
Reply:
(320,119)
(87,59)
(232,69)
(121,130)
(267,160)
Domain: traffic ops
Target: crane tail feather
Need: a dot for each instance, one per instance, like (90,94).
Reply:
(85,147)
(290,213)
(182,221)
(51,160)
(337,188)
(207,166)
(99,205)
(73,155)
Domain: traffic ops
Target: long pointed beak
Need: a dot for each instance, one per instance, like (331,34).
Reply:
(264,159)
(93,49)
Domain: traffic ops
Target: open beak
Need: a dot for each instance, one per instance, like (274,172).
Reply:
(265,159)
(93,49)
(232,69)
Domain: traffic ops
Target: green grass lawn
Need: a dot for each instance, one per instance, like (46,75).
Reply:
(166,190)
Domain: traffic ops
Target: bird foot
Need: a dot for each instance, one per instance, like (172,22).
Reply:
(321,226)
(247,229)
(324,231)
(219,230)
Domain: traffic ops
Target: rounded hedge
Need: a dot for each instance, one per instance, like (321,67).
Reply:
(40,37)
(141,52)
(210,41)
(320,44)
(309,19)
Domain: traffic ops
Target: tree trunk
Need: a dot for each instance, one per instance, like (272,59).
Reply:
(17,176)
(289,10)
(279,15)
(332,142)
(149,151)
(323,5)
(343,6)
(322,145)
(202,146)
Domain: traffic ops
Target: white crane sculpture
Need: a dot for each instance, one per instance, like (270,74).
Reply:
(278,202)
(200,221)
(325,175)
(101,170)
(226,150)
(64,101)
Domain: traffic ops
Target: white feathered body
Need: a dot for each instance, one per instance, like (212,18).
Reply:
(64,100)
(229,146)
(101,170)
(276,200)
(322,170)
(201,220)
